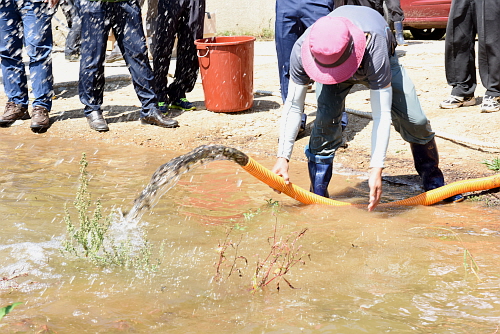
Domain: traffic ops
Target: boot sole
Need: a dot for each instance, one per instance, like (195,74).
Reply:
(160,125)
(180,108)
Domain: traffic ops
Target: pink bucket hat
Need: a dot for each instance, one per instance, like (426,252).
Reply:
(333,50)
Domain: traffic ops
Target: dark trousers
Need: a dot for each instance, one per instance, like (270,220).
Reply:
(468,18)
(72,47)
(125,19)
(394,11)
(293,17)
(182,19)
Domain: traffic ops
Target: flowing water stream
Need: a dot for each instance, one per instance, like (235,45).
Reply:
(399,270)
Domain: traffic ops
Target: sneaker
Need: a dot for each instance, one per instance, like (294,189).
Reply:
(112,57)
(183,104)
(12,113)
(490,103)
(162,107)
(458,101)
(72,58)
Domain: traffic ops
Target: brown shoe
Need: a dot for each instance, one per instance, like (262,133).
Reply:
(12,113)
(40,118)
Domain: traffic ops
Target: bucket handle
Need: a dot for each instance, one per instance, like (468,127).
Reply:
(206,53)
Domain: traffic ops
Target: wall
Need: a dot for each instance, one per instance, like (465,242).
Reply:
(243,16)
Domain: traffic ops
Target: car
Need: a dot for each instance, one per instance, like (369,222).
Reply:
(426,19)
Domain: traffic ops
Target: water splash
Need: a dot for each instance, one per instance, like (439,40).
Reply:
(167,175)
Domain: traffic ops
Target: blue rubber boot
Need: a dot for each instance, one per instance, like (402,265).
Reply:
(320,173)
(398,27)
(426,159)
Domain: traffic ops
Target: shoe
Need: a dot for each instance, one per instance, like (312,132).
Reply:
(183,104)
(97,122)
(112,57)
(155,117)
(490,103)
(162,107)
(12,113)
(457,101)
(72,58)
(40,118)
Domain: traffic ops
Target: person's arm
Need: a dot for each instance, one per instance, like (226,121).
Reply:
(381,102)
(289,127)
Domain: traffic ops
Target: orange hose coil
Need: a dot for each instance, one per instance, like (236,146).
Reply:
(428,198)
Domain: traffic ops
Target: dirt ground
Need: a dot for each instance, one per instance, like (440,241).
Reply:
(465,136)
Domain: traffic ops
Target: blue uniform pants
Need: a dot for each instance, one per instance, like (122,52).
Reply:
(124,18)
(293,17)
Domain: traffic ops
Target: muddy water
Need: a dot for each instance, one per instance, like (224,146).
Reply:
(397,271)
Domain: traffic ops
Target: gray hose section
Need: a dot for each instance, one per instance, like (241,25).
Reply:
(366,114)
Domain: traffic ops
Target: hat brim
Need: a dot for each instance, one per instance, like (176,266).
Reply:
(334,75)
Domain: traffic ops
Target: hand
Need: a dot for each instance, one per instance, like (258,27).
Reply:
(375,183)
(281,168)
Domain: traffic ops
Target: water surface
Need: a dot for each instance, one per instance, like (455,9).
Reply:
(395,271)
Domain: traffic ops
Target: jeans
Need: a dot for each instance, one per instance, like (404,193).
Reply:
(26,22)
(408,117)
(124,18)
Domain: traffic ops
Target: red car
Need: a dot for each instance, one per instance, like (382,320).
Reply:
(426,19)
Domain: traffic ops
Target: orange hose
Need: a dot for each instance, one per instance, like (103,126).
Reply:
(428,198)
(276,182)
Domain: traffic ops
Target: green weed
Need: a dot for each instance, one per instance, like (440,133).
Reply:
(265,34)
(90,239)
(492,164)
(6,310)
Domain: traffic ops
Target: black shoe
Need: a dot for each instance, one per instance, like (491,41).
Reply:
(96,121)
(155,117)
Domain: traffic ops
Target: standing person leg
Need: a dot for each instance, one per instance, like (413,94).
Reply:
(162,46)
(72,46)
(127,27)
(151,15)
(37,18)
(412,124)
(287,30)
(488,28)
(459,56)
(95,31)
(326,135)
(308,14)
(396,16)
(14,77)
(186,72)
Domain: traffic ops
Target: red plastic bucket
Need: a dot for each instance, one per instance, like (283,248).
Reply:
(226,68)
